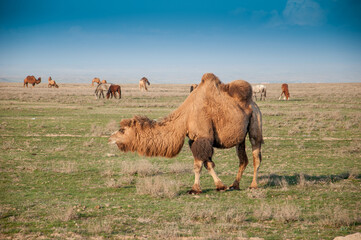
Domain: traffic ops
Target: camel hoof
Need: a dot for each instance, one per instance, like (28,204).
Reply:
(253,187)
(234,187)
(194,192)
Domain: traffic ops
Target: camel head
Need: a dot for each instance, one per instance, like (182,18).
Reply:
(39,80)
(50,79)
(125,136)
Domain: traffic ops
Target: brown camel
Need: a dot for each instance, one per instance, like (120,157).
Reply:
(213,115)
(284,92)
(32,80)
(52,83)
(95,80)
(113,90)
(193,86)
(143,84)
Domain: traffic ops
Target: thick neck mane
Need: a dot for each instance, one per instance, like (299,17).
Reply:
(157,138)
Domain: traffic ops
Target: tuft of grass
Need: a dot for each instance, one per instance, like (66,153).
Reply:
(287,213)
(263,212)
(121,182)
(181,168)
(157,187)
(337,217)
(89,143)
(141,168)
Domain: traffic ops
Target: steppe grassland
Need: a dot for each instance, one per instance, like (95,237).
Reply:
(60,179)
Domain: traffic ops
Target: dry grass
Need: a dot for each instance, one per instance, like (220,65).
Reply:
(287,213)
(337,217)
(213,214)
(120,182)
(141,168)
(98,226)
(64,167)
(157,187)
(263,212)
(90,143)
(181,167)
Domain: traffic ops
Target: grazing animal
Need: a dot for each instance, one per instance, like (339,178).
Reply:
(101,88)
(213,115)
(285,92)
(113,89)
(193,86)
(32,80)
(104,81)
(95,80)
(259,89)
(52,83)
(143,84)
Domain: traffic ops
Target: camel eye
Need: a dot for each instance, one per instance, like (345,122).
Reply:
(122,130)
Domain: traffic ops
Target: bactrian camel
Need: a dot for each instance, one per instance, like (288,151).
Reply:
(95,80)
(143,84)
(32,80)
(213,115)
(52,83)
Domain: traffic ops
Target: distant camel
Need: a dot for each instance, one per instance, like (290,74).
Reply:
(95,80)
(113,89)
(104,81)
(193,86)
(32,80)
(284,92)
(143,84)
(101,88)
(213,115)
(52,83)
(259,89)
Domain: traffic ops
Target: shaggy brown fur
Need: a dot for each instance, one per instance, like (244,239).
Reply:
(113,89)
(143,84)
(193,86)
(52,83)
(95,80)
(284,92)
(32,80)
(213,115)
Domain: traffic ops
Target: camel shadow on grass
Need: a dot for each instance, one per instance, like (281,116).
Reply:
(275,180)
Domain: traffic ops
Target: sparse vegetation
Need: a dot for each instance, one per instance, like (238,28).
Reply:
(59,178)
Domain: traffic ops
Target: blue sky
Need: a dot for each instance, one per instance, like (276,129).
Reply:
(177,41)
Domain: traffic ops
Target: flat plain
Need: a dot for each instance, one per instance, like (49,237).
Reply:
(59,177)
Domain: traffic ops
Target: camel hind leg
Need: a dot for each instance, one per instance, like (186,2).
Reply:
(243,162)
(256,139)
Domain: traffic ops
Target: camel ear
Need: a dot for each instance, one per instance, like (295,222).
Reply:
(126,123)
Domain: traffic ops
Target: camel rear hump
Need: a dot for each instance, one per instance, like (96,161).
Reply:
(239,89)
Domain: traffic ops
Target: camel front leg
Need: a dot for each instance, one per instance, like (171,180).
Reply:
(202,151)
(243,162)
(197,168)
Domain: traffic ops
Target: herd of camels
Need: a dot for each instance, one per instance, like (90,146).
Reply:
(113,90)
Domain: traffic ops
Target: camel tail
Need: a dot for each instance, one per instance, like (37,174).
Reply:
(255,126)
